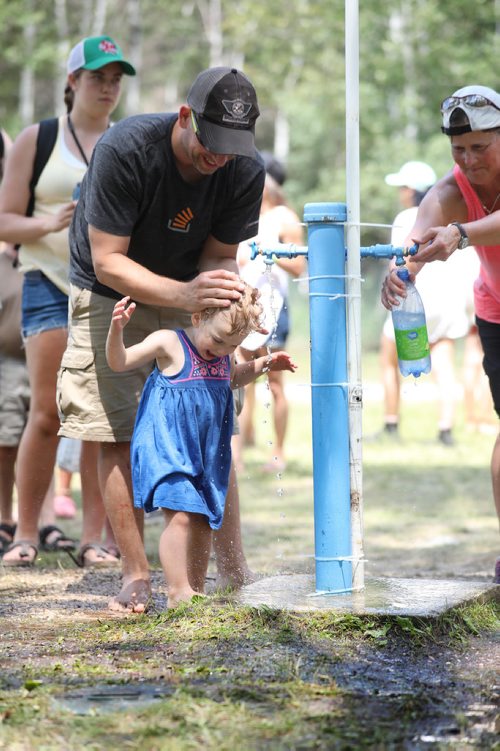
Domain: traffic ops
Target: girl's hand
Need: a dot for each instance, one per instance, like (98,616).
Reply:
(121,313)
(279,361)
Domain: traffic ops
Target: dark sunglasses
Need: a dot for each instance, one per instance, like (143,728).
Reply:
(472,100)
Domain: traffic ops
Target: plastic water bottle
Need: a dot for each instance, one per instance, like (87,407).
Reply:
(410,329)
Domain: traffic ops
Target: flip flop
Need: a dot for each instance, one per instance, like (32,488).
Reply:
(24,560)
(7,532)
(101,553)
(59,543)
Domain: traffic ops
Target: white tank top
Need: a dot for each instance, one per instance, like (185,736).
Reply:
(50,253)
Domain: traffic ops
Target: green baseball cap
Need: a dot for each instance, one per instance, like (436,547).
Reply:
(95,52)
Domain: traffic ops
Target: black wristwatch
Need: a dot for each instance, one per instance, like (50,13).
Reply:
(464,241)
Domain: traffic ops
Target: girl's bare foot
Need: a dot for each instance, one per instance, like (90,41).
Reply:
(176,597)
(235,579)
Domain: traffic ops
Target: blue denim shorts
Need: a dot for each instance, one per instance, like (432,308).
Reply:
(44,306)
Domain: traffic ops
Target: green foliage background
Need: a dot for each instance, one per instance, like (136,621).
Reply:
(413,53)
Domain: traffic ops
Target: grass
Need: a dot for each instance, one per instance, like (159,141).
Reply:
(232,678)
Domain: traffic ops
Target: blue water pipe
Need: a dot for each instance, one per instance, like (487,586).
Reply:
(326,255)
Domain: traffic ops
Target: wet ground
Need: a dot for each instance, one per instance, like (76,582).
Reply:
(380,688)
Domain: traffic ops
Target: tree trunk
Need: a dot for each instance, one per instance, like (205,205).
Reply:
(63,49)
(133,88)
(27,79)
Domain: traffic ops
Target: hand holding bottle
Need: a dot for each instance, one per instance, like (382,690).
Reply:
(410,329)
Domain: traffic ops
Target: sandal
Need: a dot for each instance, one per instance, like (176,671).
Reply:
(101,553)
(7,532)
(25,560)
(59,542)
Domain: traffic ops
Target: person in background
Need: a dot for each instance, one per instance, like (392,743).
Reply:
(95,68)
(14,386)
(462,209)
(165,202)
(278,223)
(14,410)
(67,464)
(15,392)
(446,315)
(181,446)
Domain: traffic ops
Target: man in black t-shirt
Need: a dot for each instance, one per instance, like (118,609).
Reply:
(163,206)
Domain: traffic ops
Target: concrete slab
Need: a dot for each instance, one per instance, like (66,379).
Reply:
(411,597)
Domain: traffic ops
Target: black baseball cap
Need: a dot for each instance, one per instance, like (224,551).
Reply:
(225,106)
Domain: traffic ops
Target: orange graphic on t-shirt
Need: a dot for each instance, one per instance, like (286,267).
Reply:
(181,220)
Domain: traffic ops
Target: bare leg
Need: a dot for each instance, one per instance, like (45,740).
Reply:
(246,417)
(232,567)
(473,369)
(38,446)
(7,463)
(127,524)
(495,475)
(280,416)
(184,552)
(47,515)
(442,353)
(109,539)
(63,481)
(94,513)
(390,379)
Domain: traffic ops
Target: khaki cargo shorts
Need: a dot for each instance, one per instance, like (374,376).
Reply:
(14,400)
(94,402)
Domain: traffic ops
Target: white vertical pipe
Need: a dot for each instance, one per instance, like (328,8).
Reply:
(354,285)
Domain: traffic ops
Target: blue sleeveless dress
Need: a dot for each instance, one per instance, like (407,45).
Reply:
(181,447)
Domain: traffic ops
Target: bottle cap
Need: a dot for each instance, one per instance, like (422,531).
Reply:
(403,274)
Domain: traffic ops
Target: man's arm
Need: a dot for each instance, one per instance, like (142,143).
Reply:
(214,287)
(218,255)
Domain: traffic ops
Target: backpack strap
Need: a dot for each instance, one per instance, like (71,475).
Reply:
(45,142)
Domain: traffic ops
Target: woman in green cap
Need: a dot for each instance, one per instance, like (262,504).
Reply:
(37,199)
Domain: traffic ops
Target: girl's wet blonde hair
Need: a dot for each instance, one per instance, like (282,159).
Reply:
(245,314)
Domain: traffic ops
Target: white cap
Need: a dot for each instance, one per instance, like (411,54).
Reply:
(478,109)
(417,175)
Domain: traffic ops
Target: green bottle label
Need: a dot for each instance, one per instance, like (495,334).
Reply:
(412,344)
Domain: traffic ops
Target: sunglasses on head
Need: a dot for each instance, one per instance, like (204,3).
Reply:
(472,100)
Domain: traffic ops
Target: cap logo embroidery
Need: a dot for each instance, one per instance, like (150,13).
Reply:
(181,221)
(108,47)
(237,111)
